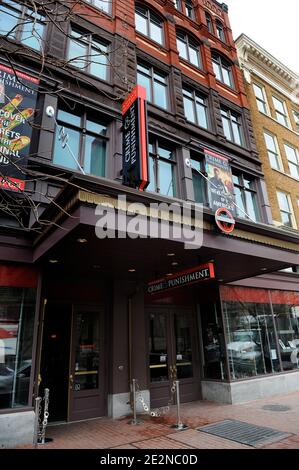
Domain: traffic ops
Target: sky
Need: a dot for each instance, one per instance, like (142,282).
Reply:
(273,24)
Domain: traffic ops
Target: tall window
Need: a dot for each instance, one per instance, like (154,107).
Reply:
(161,168)
(21,23)
(209,22)
(199,185)
(280,111)
(273,152)
(195,108)
(188,48)
(189,9)
(149,24)
(88,54)
(178,4)
(260,98)
(296,119)
(293,160)
(222,69)
(286,209)
(87,139)
(232,126)
(246,196)
(155,84)
(220,30)
(17,312)
(104,5)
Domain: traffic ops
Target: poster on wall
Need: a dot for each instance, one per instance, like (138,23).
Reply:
(18,96)
(220,187)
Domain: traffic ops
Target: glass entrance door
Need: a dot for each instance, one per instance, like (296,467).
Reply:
(86,379)
(173,354)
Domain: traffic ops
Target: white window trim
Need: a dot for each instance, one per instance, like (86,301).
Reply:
(268,113)
(281,168)
(294,224)
(288,126)
(285,143)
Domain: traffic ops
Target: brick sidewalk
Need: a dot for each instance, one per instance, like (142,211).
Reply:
(156,433)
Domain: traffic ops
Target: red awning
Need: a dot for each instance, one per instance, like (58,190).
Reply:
(260,296)
(18,275)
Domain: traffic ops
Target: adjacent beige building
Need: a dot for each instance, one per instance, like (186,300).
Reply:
(273,92)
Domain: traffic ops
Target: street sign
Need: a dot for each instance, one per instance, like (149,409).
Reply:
(224,220)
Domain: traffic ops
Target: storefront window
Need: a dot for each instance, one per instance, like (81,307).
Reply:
(213,342)
(158,357)
(251,341)
(286,314)
(17,311)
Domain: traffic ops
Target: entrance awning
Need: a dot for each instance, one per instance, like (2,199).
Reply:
(251,250)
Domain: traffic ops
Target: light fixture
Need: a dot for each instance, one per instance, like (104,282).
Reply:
(263,269)
(132,270)
(170,254)
(169,274)
(53,261)
(81,240)
(220,280)
(174,263)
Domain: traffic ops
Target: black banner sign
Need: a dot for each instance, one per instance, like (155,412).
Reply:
(135,145)
(18,94)
(190,276)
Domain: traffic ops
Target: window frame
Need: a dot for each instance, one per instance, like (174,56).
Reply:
(245,189)
(238,121)
(148,17)
(296,119)
(84,115)
(276,155)
(21,11)
(259,100)
(223,64)
(285,114)
(108,2)
(156,158)
(219,35)
(290,213)
(198,158)
(195,95)
(88,41)
(290,162)
(192,10)
(209,22)
(190,43)
(151,76)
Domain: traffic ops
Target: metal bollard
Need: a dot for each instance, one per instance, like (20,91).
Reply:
(179,425)
(37,405)
(134,421)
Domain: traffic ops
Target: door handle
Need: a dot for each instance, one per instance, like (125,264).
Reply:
(71,381)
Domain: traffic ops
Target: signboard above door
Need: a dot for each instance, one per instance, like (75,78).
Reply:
(190,276)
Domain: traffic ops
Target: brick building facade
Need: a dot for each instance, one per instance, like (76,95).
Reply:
(78,315)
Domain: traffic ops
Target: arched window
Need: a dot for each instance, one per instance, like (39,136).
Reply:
(189,9)
(188,48)
(222,69)
(149,24)
(220,30)
(209,22)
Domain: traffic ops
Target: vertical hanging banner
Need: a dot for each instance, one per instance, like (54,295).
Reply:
(135,141)
(18,95)
(220,187)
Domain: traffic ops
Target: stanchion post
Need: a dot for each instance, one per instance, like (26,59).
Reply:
(179,425)
(134,421)
(37,405)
